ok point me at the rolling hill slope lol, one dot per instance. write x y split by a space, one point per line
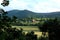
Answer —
26 13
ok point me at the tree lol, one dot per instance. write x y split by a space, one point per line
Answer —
31 36
6 30
5 3
51 26
14 19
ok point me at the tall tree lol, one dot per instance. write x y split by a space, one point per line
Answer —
52 27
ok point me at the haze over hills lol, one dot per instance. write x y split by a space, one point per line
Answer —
27 13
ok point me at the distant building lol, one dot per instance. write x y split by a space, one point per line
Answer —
33 20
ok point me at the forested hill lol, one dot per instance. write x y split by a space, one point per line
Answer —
27 13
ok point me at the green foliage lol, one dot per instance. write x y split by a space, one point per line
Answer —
52 26
5 3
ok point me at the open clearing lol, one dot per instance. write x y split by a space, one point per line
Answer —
27 29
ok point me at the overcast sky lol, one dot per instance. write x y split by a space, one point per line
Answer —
33 5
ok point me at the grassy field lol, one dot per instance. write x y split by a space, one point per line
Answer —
27 29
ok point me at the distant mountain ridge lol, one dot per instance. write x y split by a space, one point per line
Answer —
27 13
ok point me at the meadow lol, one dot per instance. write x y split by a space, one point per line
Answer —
27 29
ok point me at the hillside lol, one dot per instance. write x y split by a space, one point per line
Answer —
26 13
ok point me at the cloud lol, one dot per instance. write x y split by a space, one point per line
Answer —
34 5
49 6
1 1
18 4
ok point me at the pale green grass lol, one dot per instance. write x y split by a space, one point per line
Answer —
27 29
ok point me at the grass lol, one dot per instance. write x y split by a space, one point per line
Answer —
27 29
39 34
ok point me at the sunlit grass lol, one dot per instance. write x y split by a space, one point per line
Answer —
27 29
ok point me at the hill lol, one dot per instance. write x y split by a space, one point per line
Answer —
27 13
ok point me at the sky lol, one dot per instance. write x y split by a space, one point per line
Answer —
33 5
